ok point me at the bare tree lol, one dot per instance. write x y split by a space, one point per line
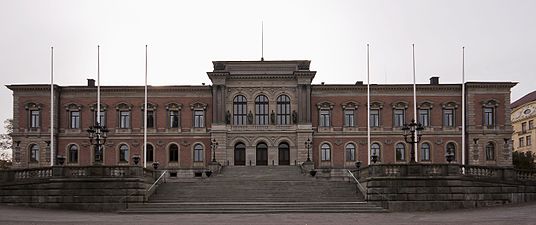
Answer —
6 145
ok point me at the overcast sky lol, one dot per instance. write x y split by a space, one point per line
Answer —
184 37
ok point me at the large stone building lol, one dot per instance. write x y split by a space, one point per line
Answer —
523 116
262 113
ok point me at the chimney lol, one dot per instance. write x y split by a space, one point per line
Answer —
359 83
90 82
434 80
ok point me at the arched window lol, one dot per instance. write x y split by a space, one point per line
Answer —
239 110
73 153
283 110
490 151
198 153
325 152
34 153
149 153
425 152
451 149
350 152
261 110
400 151
375 151
123 153
173 153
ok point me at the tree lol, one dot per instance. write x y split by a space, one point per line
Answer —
6 145
524 160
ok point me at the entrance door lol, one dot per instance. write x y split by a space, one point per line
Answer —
284 154
262 154
240 155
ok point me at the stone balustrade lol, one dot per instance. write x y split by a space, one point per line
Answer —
22 175
426 170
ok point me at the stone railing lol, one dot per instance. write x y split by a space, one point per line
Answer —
24 175
426 170
404 170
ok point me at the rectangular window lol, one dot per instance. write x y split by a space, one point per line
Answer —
398 117
524 127
528 140
34 119
75 120
424 117
150 119
489 117
448 117
174 119
374 117
101 119
324 118
531 124
199 118
521 142
349 118
124 119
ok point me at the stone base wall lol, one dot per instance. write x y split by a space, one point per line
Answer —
93 194
441 193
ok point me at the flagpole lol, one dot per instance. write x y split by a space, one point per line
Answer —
98 119
463 105
145 117
262 41
368 105
414 101
51 106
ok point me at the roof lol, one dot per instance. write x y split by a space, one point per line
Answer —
530 97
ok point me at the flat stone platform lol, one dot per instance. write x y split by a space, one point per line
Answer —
510 214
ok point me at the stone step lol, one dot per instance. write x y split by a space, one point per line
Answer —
255 207
258 189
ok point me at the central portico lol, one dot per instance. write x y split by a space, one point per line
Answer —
262 111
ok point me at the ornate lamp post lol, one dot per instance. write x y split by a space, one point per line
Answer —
308 147
17 151
412 135
97 137
61 159
214 146
136 159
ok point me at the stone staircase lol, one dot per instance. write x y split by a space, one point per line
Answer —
261 189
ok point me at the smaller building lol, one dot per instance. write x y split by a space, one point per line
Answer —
523 119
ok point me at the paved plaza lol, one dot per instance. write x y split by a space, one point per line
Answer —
512 214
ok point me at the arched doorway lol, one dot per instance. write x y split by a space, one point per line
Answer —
262 154
284 154
240 154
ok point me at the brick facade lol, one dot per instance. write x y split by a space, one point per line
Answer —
278 137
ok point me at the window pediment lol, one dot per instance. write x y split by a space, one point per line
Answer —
33 106
150 106
449 105
103 107
400 105
325 105
376 105
73 107
173 106
350 105
426 105
123 106
198 105
490 103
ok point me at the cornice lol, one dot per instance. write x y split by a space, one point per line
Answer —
374 87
